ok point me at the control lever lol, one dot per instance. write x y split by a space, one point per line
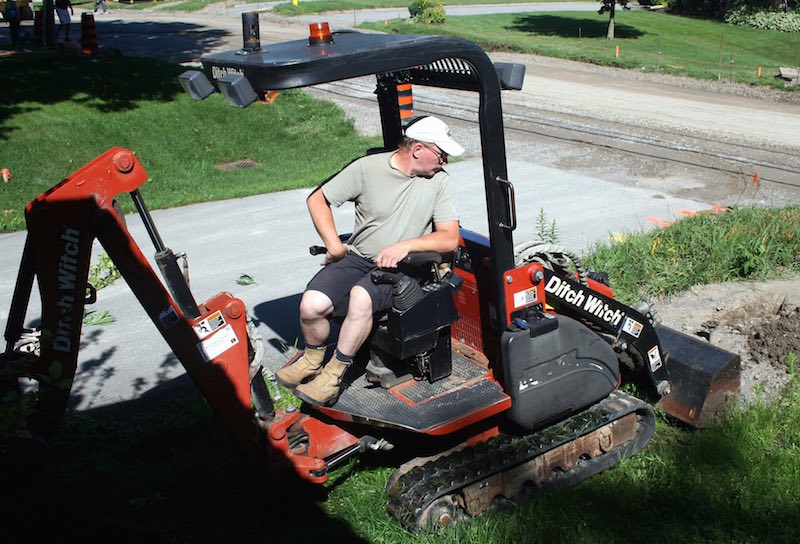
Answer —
406 292
322 250
382 276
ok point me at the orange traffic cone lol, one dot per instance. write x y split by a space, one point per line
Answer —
405 100
88 35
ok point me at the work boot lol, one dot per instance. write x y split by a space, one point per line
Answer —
307 366
324 389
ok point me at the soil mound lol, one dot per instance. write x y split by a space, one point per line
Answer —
760 321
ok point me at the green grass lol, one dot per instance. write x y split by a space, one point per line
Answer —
687 46
171 475
61 111
188 5
139 4
752 244
303 7
163 5
319 6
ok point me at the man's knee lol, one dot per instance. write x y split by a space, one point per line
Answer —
360 302
315 305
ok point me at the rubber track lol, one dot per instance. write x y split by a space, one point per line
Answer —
446 475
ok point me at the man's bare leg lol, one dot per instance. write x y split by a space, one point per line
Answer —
315 313
315 310
325 388
358 323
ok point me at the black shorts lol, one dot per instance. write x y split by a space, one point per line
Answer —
337 279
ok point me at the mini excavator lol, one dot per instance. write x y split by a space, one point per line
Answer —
501 365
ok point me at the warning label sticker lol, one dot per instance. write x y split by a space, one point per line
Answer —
523 298
214 346
655 359
632 327
209 324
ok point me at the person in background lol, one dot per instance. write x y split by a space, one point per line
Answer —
64 17
11 14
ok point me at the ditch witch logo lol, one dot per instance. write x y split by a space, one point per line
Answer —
222 71
67 267
588 303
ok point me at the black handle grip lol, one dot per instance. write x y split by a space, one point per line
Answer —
382 276
322 250
419 258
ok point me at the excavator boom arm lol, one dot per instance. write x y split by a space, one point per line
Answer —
209 339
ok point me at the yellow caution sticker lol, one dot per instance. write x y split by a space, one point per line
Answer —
210 324
523 298
632 327
655 358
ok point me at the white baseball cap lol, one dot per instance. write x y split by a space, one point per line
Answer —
431 130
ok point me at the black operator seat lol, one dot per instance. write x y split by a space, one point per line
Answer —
416 330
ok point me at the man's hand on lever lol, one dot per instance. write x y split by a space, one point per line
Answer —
390 256
335 253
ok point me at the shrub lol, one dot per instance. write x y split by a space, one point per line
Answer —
416 7
427 12
709 9
720 9
766 20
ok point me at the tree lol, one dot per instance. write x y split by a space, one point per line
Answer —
609 6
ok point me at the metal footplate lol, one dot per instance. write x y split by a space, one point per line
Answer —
465 481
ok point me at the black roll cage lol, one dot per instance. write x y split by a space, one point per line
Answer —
436 61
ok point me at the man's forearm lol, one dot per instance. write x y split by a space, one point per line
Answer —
438 241
443 240
322 217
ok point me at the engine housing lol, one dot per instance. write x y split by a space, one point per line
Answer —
554 369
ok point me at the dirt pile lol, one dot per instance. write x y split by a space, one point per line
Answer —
760 321
775 337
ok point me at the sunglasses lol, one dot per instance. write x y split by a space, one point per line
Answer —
441 155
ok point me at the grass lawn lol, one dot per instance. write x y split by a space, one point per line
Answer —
759 244
98 103
171 475
138 4
692 47
320 6
303 7
173 5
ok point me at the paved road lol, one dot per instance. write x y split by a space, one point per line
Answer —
269 237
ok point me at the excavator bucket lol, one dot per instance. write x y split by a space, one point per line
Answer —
703 377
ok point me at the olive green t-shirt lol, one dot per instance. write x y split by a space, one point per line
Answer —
389 205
